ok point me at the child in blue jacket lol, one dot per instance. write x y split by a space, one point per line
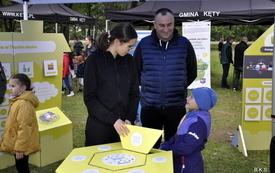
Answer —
80 72
192 132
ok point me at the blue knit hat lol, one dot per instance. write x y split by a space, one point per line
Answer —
206 98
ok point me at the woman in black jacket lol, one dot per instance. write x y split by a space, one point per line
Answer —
111 92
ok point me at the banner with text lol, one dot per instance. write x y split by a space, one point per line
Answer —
199 35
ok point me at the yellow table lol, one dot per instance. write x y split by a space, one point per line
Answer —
133 155
90 160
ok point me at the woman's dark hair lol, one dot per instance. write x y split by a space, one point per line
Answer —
90 38
23 80
71 57
123 31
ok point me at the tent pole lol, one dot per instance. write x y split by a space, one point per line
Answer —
56 28
106 24
25 9
94 32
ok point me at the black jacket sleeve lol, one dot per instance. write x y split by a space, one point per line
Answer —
191 64
229 54
3 83
134 94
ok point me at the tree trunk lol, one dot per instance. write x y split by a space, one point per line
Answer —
65 31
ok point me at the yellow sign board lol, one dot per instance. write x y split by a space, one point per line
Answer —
56 136
28 52
257 92
140 139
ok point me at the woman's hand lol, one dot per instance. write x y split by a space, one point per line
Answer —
120 127
128 122
19 155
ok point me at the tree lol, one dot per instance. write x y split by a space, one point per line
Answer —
238 31
5 24
97 10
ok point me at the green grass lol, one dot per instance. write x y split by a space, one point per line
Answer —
219 156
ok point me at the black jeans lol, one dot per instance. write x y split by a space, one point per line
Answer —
22 165
238 72
167 119
225 68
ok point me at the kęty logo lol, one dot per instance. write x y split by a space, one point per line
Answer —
76 19
196 14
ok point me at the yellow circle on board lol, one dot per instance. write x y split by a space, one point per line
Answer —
253 95
267 113
252 113
3 112
204 54
268 95
3 124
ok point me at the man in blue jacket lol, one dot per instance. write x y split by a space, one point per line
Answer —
166 64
